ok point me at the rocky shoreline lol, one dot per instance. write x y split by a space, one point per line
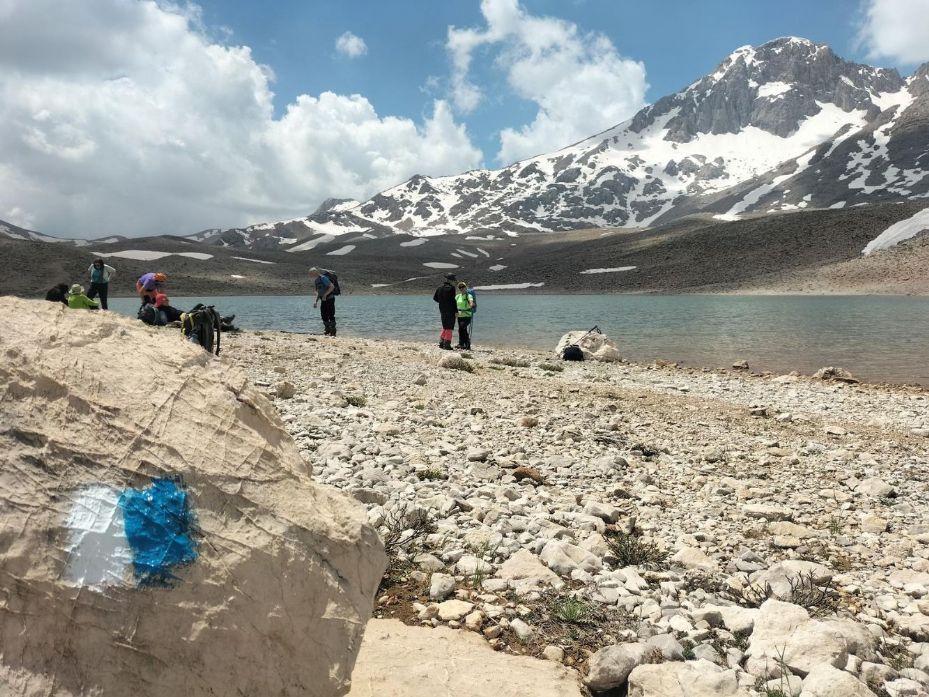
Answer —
648 525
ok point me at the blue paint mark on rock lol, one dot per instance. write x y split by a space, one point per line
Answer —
158 525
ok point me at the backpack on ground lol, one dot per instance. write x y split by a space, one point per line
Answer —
202 325
573 352
150 314
331 275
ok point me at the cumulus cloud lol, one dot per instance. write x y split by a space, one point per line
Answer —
158 129
350 45
896 29
579 81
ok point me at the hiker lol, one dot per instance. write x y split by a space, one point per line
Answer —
465 309
100 276
78 301
148 285
58 294
325 298
445 296
162 304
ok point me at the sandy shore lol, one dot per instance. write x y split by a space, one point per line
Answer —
547 483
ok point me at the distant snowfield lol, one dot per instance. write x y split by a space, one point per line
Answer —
414 243
496 267
898 232
341 251
309 244
148 255
510 286
257 261
440 265
613 270
467 254
235 275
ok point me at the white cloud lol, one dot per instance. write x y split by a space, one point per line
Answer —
350 45
897 29
158 129
580 82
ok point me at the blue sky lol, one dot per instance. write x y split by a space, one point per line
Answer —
139 117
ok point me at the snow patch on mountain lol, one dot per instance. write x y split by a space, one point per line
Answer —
150 255
341 251
898 232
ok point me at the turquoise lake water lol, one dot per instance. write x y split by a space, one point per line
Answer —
877 338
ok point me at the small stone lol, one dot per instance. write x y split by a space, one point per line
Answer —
873 524
523 472
420 380
441 586
522 630
474 620
493 631
285 389
740 365
553 653
826 681
478 455
609 667
454 610
767 512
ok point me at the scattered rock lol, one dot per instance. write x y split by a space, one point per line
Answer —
285 389
609 667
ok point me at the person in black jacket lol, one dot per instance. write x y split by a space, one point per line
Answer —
58 294
445 296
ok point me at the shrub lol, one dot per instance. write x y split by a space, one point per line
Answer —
356 400
510 361
631 550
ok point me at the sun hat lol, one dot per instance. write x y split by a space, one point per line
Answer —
450 277
77 289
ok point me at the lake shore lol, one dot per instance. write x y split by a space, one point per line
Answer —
577 506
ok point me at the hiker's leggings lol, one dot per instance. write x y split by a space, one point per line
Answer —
448 320
327 310
464 335
101 290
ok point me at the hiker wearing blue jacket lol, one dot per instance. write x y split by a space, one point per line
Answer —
325 298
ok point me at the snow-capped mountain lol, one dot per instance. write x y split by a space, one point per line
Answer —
786 125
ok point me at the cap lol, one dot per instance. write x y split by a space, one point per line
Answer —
450 277
77 289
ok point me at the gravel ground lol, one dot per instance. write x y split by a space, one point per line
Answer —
642 523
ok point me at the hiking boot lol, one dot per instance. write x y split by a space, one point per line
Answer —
447 345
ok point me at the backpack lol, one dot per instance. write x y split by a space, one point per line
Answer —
202 326
335 282
473 296
572 352
150 314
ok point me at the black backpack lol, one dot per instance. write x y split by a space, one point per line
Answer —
202 325
331 275
573 352
150 314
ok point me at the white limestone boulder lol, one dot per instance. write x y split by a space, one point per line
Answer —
161 533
